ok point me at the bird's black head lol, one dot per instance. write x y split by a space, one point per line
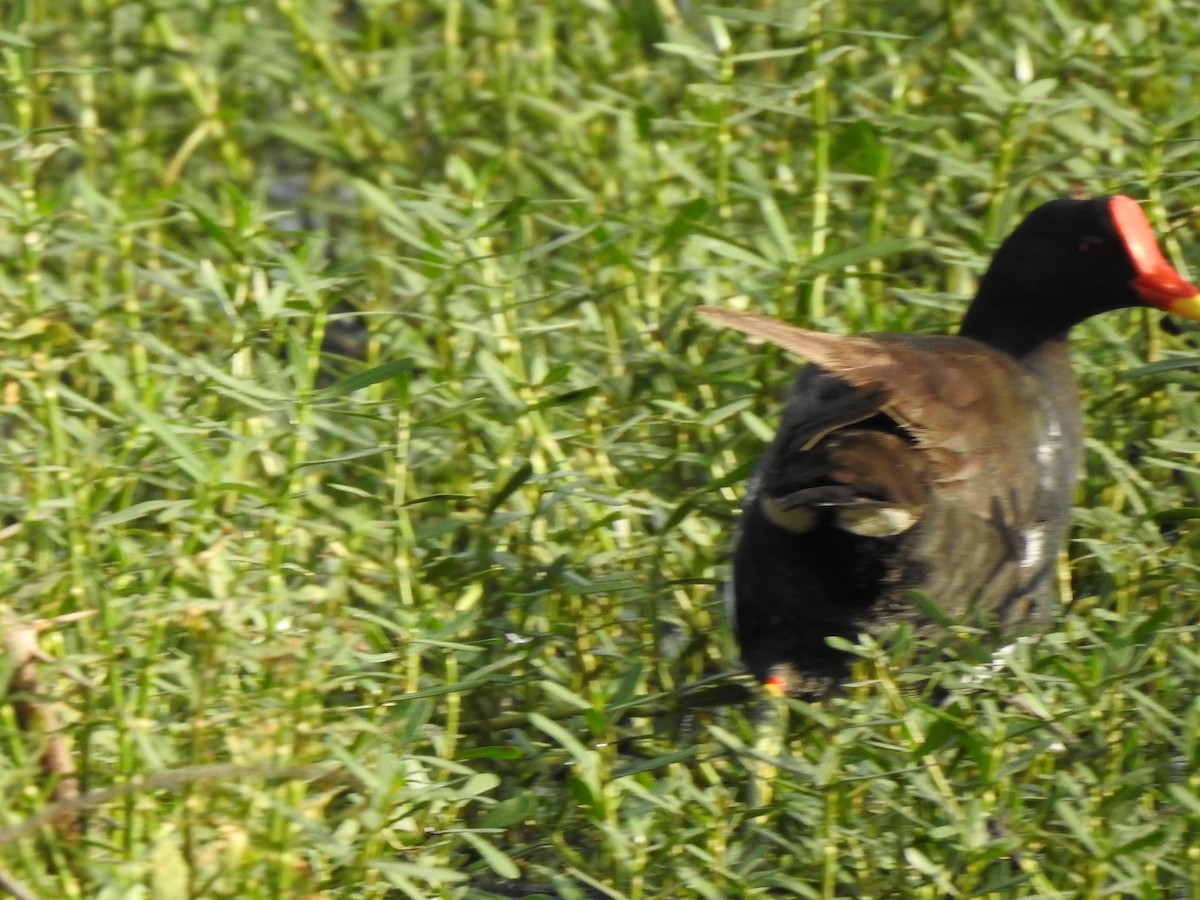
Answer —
1069 260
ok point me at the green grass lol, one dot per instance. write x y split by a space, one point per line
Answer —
348 374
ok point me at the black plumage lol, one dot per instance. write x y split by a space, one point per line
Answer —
944 464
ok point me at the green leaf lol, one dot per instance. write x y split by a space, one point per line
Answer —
497 860
510 486
383 372
509 812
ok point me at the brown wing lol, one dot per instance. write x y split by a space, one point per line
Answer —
975 412
985 449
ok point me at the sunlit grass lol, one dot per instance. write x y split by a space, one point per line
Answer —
349 376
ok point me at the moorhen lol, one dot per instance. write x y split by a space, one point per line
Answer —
944 464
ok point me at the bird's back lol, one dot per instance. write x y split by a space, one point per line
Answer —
901 462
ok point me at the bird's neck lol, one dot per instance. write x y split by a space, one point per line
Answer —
1050 361
1014 317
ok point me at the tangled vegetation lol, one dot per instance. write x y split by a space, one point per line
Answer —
367 485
